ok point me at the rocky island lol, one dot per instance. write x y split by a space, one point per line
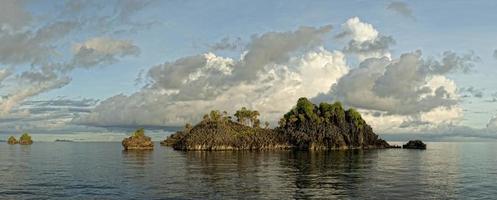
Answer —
25 139
12 140
306 127
138 141
414 144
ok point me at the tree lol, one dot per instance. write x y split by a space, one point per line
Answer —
266 124
25 137
139 133
247 117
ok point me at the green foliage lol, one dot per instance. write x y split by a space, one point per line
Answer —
354 117
25 137
247 117
139 133
12 140
306 107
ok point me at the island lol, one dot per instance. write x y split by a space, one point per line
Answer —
25 139
12 140
414 144
138 141
305 127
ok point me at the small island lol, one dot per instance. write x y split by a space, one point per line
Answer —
25 139
414 144
305 127
138 141
12 140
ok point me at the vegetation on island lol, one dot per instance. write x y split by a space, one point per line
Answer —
306 126
12 140
138 141
25 139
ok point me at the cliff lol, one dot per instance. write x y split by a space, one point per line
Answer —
327 126
305 127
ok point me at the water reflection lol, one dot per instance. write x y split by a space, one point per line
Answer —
103 171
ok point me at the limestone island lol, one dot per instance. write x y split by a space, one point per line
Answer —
305 127
138 141
25 139
12 140
414 144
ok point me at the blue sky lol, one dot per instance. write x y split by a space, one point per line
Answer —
164 31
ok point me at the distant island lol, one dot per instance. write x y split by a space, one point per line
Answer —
305 127
62 140
25 139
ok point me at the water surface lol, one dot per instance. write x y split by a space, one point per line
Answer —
63 170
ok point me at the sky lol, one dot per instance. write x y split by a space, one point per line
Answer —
410 67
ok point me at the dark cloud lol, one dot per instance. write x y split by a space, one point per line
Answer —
227 43
401 8
471 92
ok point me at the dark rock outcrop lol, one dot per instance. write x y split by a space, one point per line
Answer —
414 144
138 141
25 139
328 126
12 140
305 127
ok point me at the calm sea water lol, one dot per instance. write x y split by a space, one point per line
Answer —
47 170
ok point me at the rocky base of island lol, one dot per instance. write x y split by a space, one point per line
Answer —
306 127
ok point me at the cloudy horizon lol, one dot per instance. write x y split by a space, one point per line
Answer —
99 66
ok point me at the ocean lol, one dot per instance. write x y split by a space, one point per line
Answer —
102 170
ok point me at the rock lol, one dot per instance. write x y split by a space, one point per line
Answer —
414 144
138 141
171 139
328 127
25 139
12 140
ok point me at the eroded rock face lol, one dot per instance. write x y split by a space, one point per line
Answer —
12 140
138 141
414 144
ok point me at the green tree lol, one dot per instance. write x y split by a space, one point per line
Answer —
25 137
139 133
248 117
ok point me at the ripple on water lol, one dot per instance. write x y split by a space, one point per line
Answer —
104 171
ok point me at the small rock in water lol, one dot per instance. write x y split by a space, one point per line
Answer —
138 141
414 144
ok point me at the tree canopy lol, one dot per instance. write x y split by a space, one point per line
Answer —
247 117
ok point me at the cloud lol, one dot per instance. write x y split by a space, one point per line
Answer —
492 123
276 69
30 84
101 51
227 43
13 15
44 114
407 91
29 47
471 92
401 8
365 40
